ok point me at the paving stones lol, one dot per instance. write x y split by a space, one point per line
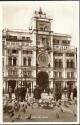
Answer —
22 111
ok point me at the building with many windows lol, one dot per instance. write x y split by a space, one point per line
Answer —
39 56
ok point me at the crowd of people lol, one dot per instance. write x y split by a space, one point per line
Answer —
21 93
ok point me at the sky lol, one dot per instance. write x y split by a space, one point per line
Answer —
65 14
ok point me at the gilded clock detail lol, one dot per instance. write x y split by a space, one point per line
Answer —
43 59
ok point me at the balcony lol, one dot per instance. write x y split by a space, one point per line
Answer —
15 39
58 79
71 79
58 68
70 68
13 76
12 66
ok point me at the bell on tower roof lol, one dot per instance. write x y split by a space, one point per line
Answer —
40 11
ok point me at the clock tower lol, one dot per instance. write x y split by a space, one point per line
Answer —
44 55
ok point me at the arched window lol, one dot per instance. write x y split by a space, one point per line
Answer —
29 61
24 61
46 28
67 63
56 63
72 64
10 61
60 63
14 61
43 40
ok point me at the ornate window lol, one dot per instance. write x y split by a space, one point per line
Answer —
43 40
27 74
27 51
24 61
72 64
29 61
60 74
68 64
12 72
14 51
68 75
14 61
55 41
56 63
45 28
10 61
55 74
60 63
70 54
72 75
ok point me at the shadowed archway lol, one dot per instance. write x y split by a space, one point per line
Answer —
43 80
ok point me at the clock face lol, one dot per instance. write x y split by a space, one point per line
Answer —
43 59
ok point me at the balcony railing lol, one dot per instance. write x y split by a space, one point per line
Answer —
13 76
20 39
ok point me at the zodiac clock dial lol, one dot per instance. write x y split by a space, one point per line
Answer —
43 59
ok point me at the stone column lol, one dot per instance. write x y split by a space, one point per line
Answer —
6 89
4 85
12 61
51 84
64 84
75 61
31 87
27 61
34 83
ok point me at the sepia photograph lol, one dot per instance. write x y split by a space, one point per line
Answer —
40 62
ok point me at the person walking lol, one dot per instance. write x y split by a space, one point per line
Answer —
39 93
69 94
36 93
10 92
16 93
29 91
22 93
74 93
19 93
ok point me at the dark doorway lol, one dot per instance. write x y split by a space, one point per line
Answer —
12 83
43 80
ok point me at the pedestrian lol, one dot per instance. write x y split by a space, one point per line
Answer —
29 91
58 95
36 93
16 93
10 92
75 107
25 91
22 93
39 93
74 93
58 109
69 94
19 92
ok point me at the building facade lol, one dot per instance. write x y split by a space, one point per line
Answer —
38 56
